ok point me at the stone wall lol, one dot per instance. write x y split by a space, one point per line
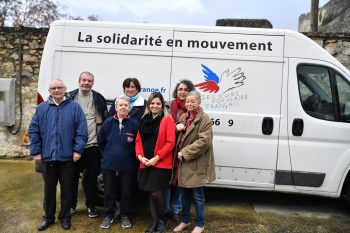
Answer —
33 42
333 17
337 44
250 23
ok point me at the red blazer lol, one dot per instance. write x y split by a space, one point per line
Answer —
164 145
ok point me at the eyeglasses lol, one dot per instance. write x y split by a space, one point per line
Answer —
56 88
183 89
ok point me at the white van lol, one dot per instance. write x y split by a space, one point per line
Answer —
279 103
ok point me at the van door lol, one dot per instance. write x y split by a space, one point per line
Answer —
244 105
318 125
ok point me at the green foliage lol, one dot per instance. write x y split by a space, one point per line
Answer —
320 17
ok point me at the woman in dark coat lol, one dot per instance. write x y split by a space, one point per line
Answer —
155 142
117 140
131 89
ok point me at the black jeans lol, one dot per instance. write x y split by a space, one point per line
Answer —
89 164
52 173
121 183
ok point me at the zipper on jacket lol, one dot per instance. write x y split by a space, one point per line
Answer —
120 126
57 135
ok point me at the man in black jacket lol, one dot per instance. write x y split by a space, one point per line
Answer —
95 109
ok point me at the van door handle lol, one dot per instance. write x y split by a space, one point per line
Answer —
267 125
298 127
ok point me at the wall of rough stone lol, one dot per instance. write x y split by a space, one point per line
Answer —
32 45
337 44
333 17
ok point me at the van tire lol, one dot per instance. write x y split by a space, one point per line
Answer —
347 197
100 191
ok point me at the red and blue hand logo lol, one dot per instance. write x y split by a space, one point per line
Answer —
211 81
228 80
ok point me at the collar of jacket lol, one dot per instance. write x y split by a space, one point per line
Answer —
115 117
50 99
198 117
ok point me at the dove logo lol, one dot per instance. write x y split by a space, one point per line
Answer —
227 81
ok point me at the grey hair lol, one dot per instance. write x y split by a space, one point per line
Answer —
123 97
57 79
86 73
196 94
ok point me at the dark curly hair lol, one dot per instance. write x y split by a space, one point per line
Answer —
187 83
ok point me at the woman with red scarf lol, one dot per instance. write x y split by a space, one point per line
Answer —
176 107
193 164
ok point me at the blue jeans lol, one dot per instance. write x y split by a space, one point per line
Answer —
199 199
172 199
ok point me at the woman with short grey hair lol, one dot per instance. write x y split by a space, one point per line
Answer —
194 149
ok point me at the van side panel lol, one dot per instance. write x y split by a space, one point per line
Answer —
112 54
110 70
244 156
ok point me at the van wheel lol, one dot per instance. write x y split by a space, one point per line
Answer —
100 191
347 197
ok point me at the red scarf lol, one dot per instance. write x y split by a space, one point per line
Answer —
176 106
189 120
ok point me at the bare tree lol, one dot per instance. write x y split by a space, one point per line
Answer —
89 18
93 18
29 13
34 13
314 15
7 8
75 18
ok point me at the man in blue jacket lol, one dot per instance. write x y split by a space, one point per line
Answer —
58 135
95 109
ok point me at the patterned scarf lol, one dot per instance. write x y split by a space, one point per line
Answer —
177 109
189 120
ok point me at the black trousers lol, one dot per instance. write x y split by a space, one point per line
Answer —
52 173
117 183
89 164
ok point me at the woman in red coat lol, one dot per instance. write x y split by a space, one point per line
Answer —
155 142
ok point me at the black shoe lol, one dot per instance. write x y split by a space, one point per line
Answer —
71 211
152 227
160 227
65 224
92 212
45 224
169 214
176 217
